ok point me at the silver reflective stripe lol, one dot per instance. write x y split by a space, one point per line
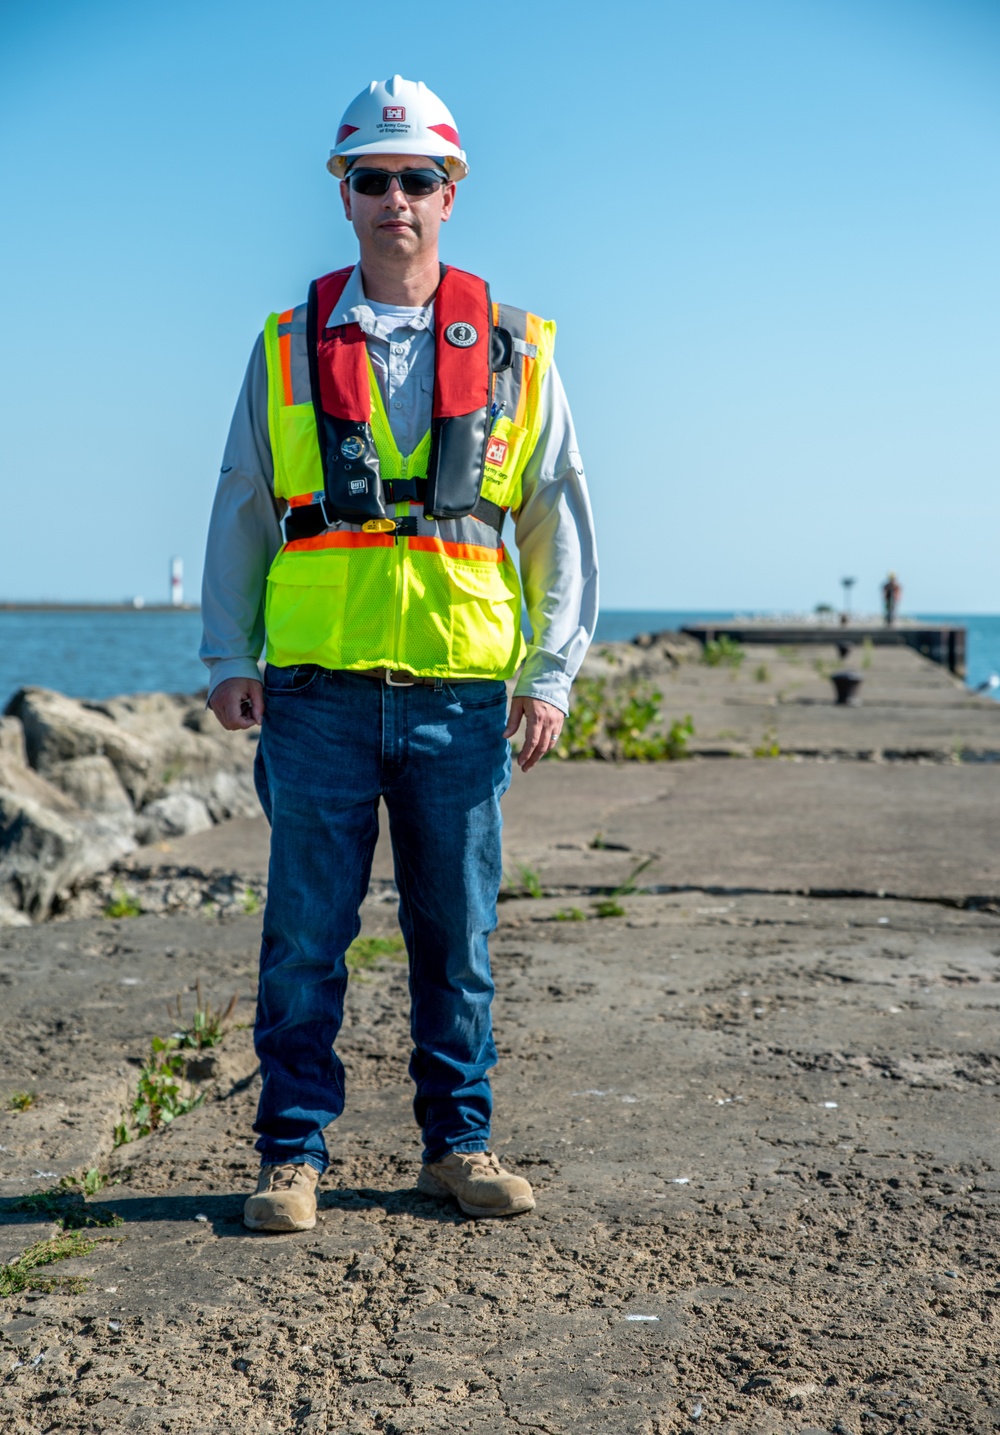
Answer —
530 351
456 530
298 356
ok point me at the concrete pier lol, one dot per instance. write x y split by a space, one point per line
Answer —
941 642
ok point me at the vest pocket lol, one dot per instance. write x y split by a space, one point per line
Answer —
503 453
484 613
304 609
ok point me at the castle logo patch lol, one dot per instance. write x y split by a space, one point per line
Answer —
496 452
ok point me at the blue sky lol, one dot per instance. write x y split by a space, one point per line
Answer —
768 231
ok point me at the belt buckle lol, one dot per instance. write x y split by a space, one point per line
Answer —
391 683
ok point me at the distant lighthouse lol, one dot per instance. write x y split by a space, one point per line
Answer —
177 582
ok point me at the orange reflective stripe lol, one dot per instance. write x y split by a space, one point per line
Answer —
532 334
471 552
300 500
285 350
339 540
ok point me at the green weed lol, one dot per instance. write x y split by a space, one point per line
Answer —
65 1205
619 722
768 745
20 1100
207 1027
867 652
570 914
722 652
17 1275
608 907
122 904
529 881
365 952
250 903
161 1097
762 673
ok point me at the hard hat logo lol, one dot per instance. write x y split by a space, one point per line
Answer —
398 116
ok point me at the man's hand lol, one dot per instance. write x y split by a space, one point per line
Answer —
543 724
238 702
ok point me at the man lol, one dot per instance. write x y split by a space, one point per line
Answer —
385 429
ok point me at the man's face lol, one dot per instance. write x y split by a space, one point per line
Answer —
394 223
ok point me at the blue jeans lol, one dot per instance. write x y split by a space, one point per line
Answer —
331 745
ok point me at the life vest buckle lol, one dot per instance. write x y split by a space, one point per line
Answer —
379 525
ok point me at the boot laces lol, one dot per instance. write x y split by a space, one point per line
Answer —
283 1178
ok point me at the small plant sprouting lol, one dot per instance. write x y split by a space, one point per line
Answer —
161 1088
250 903
207 1027
608 907
768 745
122 904
722 651
20 1100
867 652
18 1275
762 673
570 914
364 952
529 880
121 1138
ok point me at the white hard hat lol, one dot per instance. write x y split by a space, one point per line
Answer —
398 116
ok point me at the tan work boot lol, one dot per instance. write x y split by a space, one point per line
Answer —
285 1199
479 1184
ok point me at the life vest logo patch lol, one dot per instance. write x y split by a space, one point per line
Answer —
496 452
358 485
462 335
352 446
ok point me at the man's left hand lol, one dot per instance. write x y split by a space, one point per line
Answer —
542 726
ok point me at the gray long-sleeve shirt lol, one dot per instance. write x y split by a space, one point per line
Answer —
553 527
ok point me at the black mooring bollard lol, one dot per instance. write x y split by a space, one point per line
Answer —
847 686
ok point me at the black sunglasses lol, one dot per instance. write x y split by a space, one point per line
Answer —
417 183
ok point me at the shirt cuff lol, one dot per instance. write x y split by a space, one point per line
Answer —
550 685
219 669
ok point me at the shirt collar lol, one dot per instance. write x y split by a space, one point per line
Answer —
353 308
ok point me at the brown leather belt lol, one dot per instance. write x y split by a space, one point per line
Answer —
398 678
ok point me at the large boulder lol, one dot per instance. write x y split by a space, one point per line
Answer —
12 748
44 854
93 784
175 815
58 729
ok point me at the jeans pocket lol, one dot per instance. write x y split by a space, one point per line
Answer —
477 693
280 681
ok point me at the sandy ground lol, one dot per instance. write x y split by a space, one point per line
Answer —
759 1111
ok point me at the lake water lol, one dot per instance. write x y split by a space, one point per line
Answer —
98 654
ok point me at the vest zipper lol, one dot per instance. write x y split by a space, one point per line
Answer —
397 604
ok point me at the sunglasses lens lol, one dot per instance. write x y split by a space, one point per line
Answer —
419 181
370 181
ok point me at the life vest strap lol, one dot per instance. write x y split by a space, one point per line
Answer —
309 520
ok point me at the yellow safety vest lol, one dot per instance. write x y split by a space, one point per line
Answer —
443 602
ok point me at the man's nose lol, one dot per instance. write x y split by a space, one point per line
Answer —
395 195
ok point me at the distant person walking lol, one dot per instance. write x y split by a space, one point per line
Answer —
386 428
891 594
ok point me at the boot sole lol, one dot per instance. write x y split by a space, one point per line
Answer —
277 1224
429 1185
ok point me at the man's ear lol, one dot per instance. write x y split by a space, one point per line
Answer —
345 194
